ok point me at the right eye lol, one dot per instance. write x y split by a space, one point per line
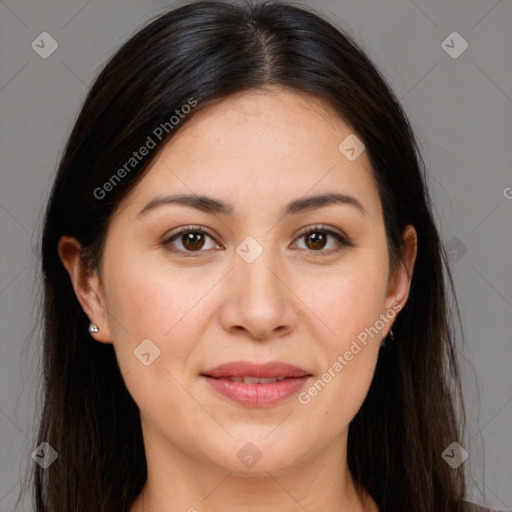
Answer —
191 239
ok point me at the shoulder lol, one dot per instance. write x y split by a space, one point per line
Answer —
473 507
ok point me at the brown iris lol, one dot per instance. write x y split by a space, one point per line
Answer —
193 240
318 240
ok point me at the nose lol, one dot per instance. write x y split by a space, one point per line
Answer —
259 301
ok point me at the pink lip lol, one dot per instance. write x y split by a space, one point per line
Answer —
248 369
256 395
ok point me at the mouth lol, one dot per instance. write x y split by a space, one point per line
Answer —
256 385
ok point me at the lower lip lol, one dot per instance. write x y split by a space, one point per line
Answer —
257 395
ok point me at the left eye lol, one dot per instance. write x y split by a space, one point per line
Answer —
316 239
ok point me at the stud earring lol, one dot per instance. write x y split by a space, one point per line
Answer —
391 338
93 328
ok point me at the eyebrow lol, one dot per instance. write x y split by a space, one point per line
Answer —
211 205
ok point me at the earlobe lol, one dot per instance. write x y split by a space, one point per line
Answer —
85 284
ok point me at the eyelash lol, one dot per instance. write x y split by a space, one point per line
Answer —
342 240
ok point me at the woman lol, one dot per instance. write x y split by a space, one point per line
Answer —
246 297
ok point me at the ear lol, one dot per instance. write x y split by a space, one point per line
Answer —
399 282
86 285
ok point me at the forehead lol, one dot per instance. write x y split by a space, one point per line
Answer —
255 148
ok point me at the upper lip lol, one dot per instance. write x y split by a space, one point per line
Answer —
253 369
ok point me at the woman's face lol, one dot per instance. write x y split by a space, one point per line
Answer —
248 284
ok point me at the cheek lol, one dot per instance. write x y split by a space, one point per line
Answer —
156 339
348 361
148 302
351 307
350 299
146 295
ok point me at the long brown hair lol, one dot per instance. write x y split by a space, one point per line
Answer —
208 50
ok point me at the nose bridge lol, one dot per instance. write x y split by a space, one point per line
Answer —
256 271
259 301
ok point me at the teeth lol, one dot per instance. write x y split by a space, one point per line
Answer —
252 380
268 380
256 380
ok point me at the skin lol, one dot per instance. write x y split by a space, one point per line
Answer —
256 151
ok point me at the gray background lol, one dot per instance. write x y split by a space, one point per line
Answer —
460 108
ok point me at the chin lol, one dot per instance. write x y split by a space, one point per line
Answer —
257 455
